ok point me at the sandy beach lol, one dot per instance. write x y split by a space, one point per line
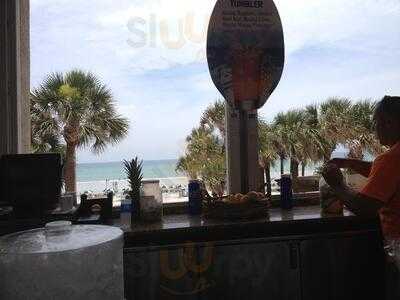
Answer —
174 188
169 186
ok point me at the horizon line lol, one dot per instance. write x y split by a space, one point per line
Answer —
120 161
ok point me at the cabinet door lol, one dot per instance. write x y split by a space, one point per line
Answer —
250 270
343 268
159 274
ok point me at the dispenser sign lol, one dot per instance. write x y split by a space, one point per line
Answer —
245 51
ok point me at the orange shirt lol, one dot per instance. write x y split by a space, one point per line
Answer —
384 185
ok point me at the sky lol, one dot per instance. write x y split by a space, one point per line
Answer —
151 54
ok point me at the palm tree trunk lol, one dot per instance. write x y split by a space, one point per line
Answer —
303 168
268 179
294 168
70 169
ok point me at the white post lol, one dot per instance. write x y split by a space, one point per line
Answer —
233 149
255 181
236 172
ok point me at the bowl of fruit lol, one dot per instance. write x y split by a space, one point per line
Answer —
253 205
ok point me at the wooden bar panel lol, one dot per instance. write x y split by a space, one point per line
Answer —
345 268
162 273
249 270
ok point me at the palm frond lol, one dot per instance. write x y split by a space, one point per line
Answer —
214 117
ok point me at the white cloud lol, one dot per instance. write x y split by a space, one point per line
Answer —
166 37
336 22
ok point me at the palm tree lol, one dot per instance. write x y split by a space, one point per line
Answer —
363 132
214 117
314 145
78 109
45 137
350 125
214 173
311 124
205 158
196 146
205 149
189 166
288 127
282 156
268 152
46 142
336 122
300 139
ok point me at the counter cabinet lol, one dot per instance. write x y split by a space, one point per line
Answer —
337 266
297 254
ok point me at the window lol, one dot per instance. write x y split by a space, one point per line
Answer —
151 55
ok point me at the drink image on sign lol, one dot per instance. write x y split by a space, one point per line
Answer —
245 78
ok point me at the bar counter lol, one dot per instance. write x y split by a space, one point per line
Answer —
297 254
300 221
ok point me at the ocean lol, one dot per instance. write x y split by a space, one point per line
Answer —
115 170
98 177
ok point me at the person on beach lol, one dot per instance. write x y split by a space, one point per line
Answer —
381 195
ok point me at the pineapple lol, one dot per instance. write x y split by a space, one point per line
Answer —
133 170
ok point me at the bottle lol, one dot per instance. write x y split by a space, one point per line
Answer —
330 204
286 192
126 209
151 201
195 197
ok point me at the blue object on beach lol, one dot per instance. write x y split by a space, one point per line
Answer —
286 192
195 198
126 213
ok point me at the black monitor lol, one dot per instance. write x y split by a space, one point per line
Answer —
31 183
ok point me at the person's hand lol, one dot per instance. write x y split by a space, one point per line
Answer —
332 175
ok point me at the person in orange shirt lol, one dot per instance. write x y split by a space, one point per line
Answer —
381 195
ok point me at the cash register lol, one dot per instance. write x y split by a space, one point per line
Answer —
31 184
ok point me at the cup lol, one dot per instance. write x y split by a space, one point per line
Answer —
67 201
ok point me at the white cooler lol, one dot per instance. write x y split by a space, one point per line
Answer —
62 262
